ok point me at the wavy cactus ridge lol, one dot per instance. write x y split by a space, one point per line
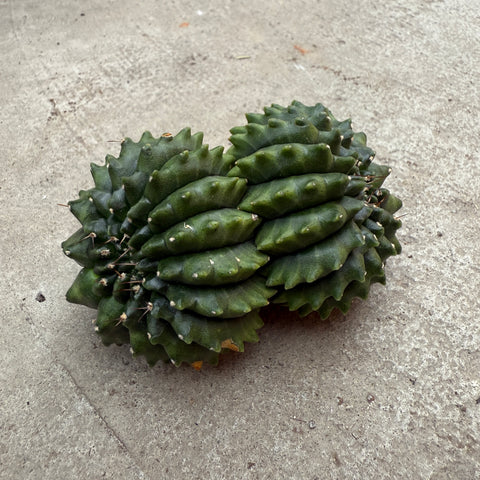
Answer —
332 285
182 245
207 193
227 301
221 266
312 263
299 230
287 195
337 134
211 229
214 335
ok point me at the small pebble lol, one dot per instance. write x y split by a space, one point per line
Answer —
40 297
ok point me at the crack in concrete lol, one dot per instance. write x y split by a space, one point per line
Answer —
79 390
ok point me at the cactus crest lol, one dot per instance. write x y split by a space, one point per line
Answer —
181 245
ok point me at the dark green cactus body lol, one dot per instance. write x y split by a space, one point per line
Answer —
181 246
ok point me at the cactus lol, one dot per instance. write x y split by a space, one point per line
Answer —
329 224
181 245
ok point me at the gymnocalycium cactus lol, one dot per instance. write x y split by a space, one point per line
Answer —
182 245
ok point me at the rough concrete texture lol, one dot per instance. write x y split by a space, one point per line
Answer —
393 388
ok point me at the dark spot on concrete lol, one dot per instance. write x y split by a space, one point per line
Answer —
40 297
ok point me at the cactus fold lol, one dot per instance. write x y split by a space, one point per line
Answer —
181 245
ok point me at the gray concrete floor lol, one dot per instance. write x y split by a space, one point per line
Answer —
393 388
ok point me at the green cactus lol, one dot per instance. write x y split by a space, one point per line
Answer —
315 251
181 246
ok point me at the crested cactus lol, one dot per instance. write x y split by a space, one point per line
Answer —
328 223
182 245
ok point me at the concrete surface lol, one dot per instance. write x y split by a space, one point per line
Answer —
393 388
